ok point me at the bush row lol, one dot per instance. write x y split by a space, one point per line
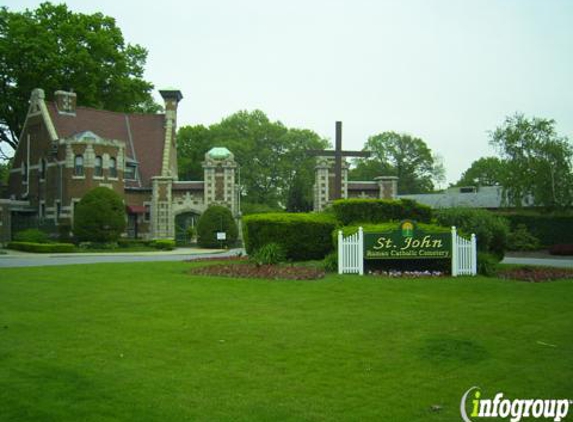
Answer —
349 211
301 236
549 229
41 247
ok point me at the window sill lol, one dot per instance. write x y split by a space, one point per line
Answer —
115 179
78 177
98 178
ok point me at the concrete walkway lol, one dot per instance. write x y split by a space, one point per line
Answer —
26 259
548 262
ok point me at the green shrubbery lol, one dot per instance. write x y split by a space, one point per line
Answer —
163 244
491 230
31 236
550 229
41 247
269 254
349 211
519 239
302 236
99 216
216 219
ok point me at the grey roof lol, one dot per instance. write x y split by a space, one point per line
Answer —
482 197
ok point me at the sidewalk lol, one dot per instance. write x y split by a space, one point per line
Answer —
8 253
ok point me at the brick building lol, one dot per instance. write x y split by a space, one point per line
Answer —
65 150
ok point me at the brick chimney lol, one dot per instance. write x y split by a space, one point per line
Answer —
171 96
65 102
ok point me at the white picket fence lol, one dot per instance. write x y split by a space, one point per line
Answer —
351 254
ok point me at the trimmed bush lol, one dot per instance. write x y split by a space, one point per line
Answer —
550 229
41 247
164 244
31 236
269 254
330 262
349 211
99 216
216 219
490 229
487 264
519 239
302 236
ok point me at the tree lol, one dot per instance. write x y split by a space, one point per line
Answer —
99 216
53 48
400 155
486 171
4 172
272 157
536 162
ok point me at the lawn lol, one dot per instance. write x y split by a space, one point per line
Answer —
148 342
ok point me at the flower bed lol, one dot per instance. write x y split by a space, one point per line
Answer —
406 274
535 274
274 272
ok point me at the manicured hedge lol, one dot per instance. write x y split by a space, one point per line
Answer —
349 211
549 229
490 229
216 219
99 216
301 236
41 247
163 244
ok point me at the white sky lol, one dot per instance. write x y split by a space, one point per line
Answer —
447 71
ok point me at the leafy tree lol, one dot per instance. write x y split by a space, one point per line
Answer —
272 157
53 48
536 162
487 171
99 216
4 172
400 155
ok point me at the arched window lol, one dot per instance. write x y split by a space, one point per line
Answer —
112 167
79 165
98 167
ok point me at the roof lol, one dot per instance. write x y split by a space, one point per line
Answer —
485 197
363 186
197 185
143 134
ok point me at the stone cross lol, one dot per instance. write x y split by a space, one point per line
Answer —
338 153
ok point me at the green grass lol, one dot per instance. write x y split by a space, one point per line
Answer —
147 342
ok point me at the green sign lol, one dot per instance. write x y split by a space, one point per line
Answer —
407 242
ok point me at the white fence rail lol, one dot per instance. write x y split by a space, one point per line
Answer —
351 254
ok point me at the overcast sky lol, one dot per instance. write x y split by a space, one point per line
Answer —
447 71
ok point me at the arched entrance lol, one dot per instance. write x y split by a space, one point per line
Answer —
183 222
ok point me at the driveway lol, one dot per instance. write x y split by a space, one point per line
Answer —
23 259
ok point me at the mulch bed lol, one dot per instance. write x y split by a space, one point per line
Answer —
273 272
536 274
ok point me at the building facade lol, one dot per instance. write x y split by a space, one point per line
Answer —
66 150
383 187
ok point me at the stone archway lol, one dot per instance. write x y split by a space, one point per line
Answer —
183 221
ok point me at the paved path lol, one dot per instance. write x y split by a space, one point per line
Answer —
550 262
23 259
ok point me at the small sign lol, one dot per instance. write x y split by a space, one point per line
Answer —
221 236
407 242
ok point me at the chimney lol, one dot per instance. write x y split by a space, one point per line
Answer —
171 96
66 102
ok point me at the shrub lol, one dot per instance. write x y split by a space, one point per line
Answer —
41 247
562 249
491 230
130 243
302 236
106 246
330 262
487 264
269 254
99 216
164 244
349 211
253 208
550 229
216 219
31 236
519 239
